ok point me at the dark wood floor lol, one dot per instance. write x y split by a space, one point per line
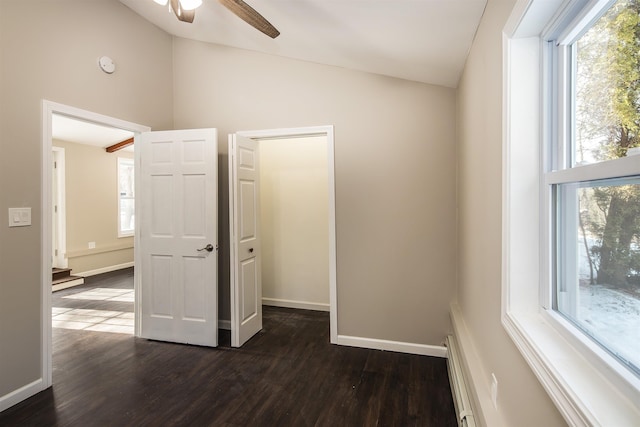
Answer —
287 375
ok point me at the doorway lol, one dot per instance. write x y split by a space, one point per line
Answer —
49 110
294 222
319 138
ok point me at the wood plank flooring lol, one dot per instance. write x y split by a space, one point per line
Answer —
287 375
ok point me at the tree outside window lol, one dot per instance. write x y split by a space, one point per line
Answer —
599 221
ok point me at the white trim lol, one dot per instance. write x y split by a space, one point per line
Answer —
327 131
476 377
585 19
68 284
17 396
304 305
583 396
46 246
397 346
48 109
105 269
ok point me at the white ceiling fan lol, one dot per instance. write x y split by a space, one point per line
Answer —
185 11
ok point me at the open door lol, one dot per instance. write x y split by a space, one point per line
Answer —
245 272
178 223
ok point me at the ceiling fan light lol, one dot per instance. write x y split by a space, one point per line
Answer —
190 4
161 2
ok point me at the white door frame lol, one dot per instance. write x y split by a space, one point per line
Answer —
48 109
326 131
59 200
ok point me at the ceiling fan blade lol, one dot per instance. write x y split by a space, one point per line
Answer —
182 15
251 17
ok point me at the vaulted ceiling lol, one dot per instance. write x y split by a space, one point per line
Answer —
421 40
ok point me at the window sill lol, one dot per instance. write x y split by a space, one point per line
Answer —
584 395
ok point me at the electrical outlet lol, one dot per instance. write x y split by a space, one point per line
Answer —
494 390
92 245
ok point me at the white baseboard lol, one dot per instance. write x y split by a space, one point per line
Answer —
304 305
17 396
400 347
479 389
69 284
224 324
104 269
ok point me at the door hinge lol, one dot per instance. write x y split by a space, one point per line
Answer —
55 209
56 252
55 165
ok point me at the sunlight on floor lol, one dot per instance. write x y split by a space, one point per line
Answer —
104 294
96 320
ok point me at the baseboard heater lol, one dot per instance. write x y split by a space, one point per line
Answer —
459 389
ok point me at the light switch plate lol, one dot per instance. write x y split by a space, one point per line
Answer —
19 217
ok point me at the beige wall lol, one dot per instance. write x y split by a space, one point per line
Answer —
49 50
394 167
91 183
294 219
522 400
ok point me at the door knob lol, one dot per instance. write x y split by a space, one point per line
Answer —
208 248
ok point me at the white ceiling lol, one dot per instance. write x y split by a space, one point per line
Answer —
81 132
421 40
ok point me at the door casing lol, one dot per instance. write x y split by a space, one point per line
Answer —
328 132
50 108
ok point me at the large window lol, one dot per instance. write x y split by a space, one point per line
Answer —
126 201
593 183
571 202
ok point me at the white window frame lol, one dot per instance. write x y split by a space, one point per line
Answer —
123 161
587 385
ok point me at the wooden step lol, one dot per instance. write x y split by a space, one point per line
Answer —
67 282
60 273
62 279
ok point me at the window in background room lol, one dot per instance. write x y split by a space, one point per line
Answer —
126 201
594 186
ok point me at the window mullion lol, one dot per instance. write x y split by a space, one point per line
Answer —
616 168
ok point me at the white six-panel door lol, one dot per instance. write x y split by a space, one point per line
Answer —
245 252
178 236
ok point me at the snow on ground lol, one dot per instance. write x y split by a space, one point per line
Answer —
614 318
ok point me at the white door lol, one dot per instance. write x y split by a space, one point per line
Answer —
58 209
244 199
178 216
54 212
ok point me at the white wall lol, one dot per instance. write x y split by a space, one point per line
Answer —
49 50
394 171
294 221
521 399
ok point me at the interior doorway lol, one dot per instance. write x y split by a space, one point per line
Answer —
50 111
318 169
294 222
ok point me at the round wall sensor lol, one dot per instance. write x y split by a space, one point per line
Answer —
106 64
